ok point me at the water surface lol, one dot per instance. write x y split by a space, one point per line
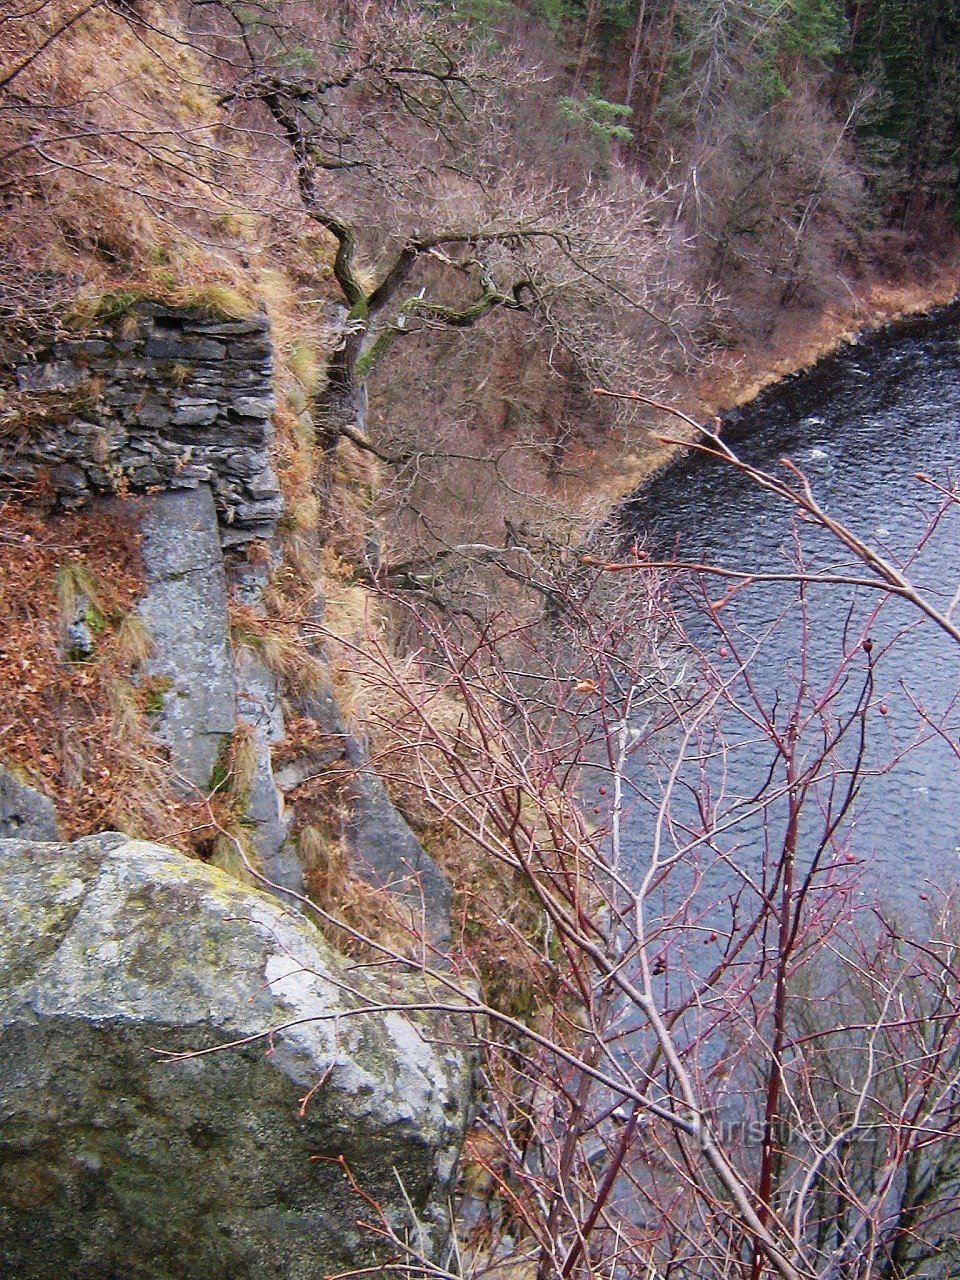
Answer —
862 425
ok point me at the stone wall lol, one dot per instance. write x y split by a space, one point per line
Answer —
158 399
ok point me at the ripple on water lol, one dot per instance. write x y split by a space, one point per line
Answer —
863 425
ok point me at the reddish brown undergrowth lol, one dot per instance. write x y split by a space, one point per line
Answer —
79 730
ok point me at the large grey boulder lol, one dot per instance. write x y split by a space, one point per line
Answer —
116 1163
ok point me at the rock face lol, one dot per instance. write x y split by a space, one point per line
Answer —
387 854
185 609
179 404
24 812
115 1163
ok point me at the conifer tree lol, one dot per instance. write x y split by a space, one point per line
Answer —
911 50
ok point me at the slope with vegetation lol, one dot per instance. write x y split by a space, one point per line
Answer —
457 222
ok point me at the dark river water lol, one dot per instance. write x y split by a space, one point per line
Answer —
861 425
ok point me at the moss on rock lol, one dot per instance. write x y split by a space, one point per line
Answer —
116 1161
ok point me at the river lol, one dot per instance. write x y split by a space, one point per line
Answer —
861 425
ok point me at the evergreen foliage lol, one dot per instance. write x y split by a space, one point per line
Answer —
910 49
690 59
603 121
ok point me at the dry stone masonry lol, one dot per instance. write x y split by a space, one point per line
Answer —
158 398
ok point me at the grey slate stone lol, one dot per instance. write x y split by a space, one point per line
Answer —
183 348
253 406
262 485
53 375
258 706
154 414
229 328
68 479
185 609
77 427
17 472
179 380
25 813
264 509
386 853
141 445
239 535
146 476
244 462
80 347
79 641
195 413
250 350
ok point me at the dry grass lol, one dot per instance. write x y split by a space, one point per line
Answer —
279 645
146 198
362 909
497 927
114 178
119 181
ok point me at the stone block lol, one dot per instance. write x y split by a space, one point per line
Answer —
17 471
25 813
253 406
238 535
387 854
229 328
80 347
262 485
54 375
78 427
250 352
120 398
68 480
146 477
210 380
244 462
267 509
258 706
155 414
140 447
183 348
195 413
227 489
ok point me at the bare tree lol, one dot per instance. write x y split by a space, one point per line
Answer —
397 126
